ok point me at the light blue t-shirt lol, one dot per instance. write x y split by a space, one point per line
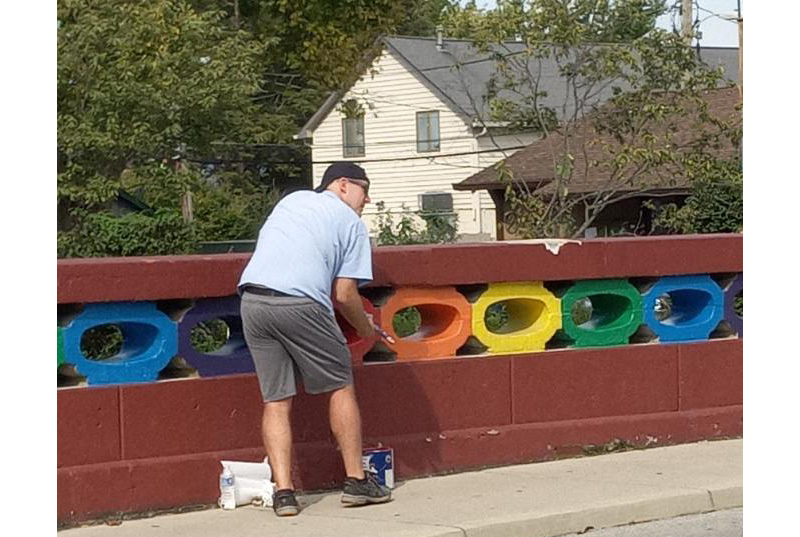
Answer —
309 239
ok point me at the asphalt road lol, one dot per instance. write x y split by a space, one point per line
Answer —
726 523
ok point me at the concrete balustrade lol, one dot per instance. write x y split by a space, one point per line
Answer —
442 411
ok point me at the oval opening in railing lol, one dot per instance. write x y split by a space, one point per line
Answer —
434 319
687 307
211 338
102 342
427 323
683 308
515 317
601 312
149 340
406 322
605 311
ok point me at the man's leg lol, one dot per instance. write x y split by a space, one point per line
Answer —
346 426
277 431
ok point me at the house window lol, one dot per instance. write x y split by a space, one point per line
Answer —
427 131
353 136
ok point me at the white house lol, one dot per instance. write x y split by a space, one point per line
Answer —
410 122
418 121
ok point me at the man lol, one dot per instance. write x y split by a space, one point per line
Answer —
312 243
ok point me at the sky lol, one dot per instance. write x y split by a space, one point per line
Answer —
716 32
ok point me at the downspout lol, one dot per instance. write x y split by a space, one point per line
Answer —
476 164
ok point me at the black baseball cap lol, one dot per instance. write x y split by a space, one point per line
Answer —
345 169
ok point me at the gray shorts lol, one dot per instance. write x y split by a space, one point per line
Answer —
286 335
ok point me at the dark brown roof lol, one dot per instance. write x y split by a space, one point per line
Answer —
535 164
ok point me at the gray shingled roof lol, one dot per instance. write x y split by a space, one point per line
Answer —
465 88
533 164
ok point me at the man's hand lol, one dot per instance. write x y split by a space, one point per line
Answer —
345 291
369 328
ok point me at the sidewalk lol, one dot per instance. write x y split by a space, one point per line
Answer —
531 500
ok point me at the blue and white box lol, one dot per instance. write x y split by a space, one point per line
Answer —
380 463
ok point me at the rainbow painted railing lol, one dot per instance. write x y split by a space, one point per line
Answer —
630 300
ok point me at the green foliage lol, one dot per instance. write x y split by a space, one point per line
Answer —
529 215
630 141
141 80
424 16
225 206
145 87
141 85
496 316
106 341
209 336
323 40
555 21
103 234
468 21
439 228
406 321
715 203
102 342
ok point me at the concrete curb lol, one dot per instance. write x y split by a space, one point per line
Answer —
612 515
534 500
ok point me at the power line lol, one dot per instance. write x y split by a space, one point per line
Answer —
714 14
411 141
356 159
400 159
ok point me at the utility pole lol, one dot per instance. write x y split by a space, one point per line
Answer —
741 54
686 21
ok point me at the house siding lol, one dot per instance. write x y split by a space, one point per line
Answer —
391 96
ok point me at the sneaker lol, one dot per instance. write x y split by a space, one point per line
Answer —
284 503
364 491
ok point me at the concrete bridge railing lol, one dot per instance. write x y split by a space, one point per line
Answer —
500 370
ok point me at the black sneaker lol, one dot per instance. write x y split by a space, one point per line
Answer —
284 503
364 491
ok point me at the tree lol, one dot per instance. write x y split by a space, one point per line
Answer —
141 87
424 16
149 91
616 107
552 20
715 203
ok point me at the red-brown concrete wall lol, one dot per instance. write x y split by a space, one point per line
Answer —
151 446
197 276
139 447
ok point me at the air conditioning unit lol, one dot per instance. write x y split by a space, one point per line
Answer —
435 202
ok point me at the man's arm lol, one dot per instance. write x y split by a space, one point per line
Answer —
345 292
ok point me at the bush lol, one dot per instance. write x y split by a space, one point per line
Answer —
439 227
104 234
406 321
715 204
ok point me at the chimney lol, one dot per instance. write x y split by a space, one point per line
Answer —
439 40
